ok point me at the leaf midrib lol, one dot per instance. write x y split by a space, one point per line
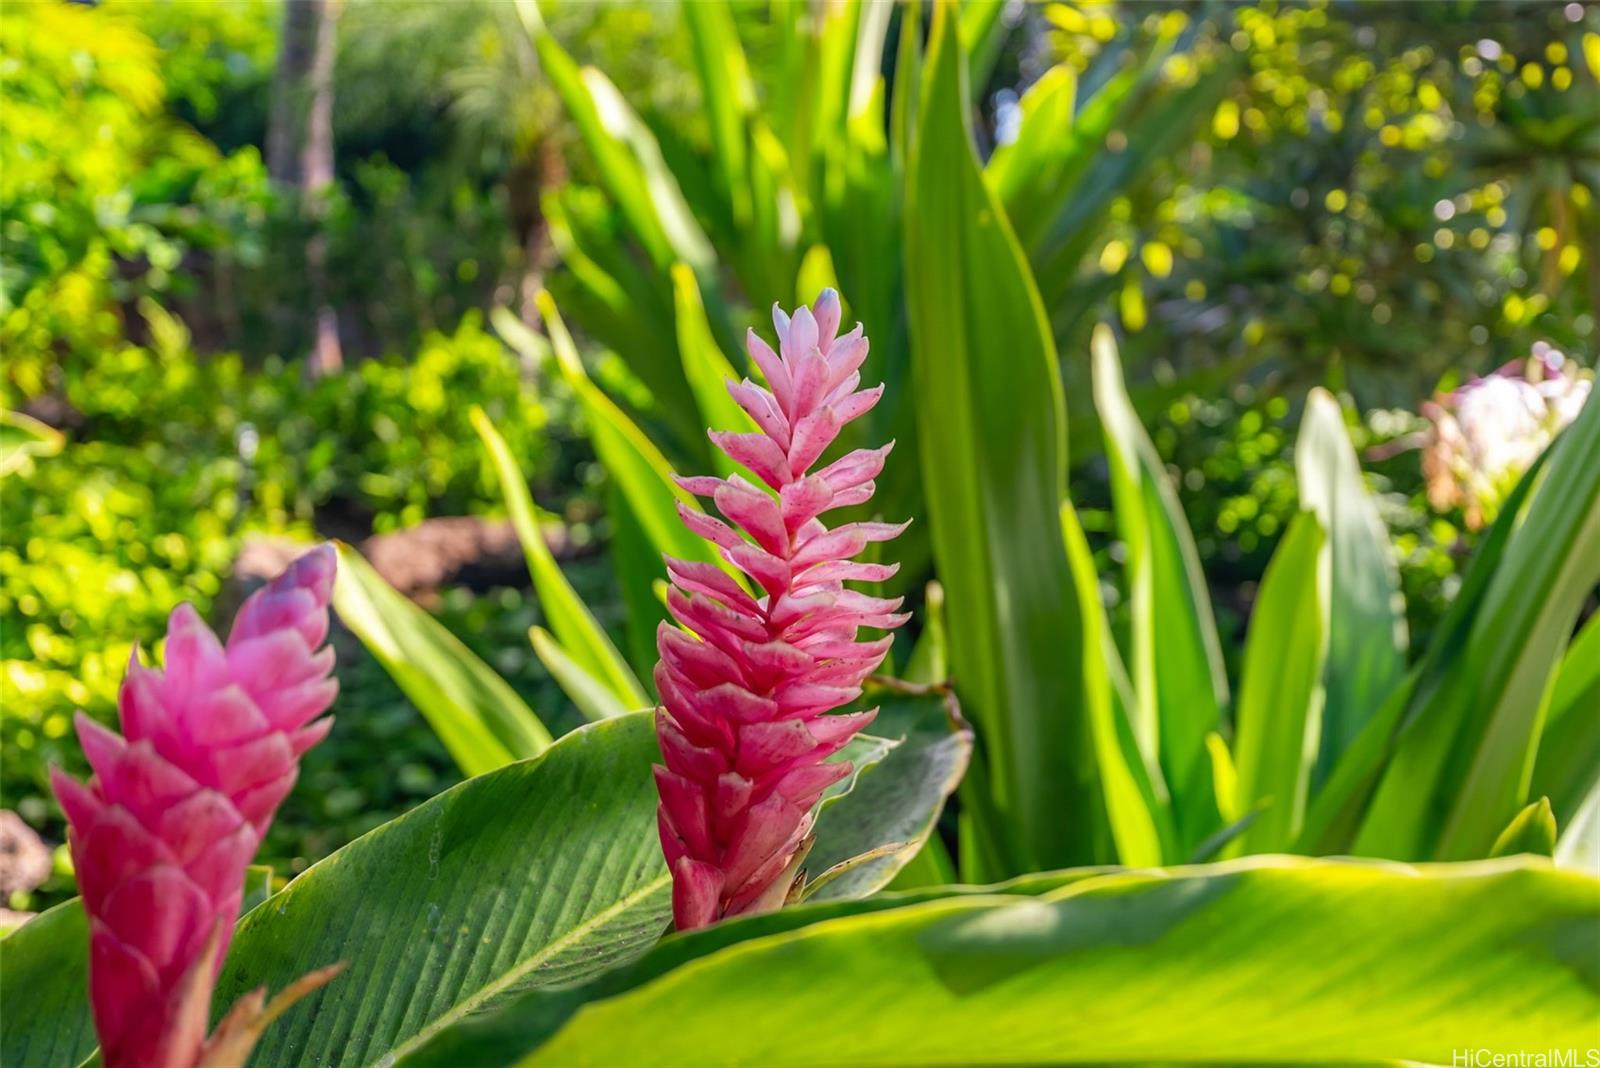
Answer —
466 1006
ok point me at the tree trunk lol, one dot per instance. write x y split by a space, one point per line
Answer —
300 151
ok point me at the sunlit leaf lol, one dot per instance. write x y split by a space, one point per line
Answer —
585 644
476 714
993 463
1278 721
1367 635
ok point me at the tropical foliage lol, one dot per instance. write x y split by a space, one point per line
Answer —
1094 820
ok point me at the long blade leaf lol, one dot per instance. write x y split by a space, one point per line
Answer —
476 714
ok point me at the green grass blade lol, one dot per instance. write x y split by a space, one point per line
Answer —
1278 722
476 714
586 645
993 461
1367 635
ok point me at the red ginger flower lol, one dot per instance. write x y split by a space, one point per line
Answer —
744 729
163 832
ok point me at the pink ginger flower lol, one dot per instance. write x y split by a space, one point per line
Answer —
747 685
163 832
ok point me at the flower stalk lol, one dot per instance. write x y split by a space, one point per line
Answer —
750 680
162 833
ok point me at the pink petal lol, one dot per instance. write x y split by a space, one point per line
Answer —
696 891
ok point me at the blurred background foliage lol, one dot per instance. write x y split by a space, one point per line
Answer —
1384 198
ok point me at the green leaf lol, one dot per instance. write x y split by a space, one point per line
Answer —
1178 676
729 97
639 570
895 804
257 886
993 461
1278 720
1367 629
623 302
585 691
543 872
476 714
983 32
1470 759
642 475
1334 817
1533 831
1301 959
585 644
1568 765
1140 818
24 438
929 663
706 368
627 158
503 1034
44 973
1027 171
1156 119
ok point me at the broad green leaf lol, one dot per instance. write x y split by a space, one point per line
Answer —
584 641
1470 759
501 1035
1533 831
1367 629
476 714
1568 765
1178 676
1140 823
541 872
44 975
892 810
754 202
584 690
706 368
1278 721
1334 818
43 971
993 461
23 438
1301 960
